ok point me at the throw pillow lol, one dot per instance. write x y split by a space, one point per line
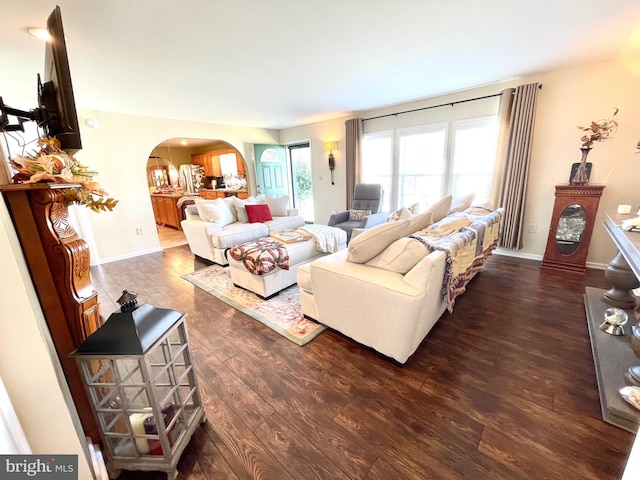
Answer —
278 205
441 208
401 256
228 201
358 215
258 213
241 212
374 240
214 211
461 203
419 222
413 209
399 215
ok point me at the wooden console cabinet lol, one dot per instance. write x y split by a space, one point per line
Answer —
572 221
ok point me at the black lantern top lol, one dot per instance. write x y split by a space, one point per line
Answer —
132 331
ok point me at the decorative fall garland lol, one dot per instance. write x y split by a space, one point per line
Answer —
51 164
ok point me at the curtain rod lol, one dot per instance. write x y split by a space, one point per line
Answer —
434 106
441 105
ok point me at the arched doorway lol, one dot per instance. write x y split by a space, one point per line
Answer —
179 169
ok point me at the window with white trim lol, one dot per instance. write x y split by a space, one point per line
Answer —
421 164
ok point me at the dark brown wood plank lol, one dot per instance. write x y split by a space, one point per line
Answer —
502 388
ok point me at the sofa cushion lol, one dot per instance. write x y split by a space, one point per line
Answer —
461 203
374 240
214 211
258 213
440 208
401 256
237 233
419 222
358 215
278 205
241 212
280 223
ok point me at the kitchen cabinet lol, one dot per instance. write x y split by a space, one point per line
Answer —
210 161
211 194
214 165
166 211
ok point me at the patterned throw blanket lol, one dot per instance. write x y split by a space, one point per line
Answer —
261 256
467 240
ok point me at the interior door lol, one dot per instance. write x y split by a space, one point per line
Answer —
271 169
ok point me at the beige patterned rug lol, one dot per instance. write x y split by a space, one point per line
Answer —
280 313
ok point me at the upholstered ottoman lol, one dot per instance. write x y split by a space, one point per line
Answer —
268 284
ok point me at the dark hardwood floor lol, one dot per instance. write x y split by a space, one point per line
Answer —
503 388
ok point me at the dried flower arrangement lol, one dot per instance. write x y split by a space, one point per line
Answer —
51 164
598 131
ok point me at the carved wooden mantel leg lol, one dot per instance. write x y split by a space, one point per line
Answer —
58 261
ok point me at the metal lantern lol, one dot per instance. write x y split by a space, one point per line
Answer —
138 373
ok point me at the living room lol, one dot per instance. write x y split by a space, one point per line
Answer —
572 95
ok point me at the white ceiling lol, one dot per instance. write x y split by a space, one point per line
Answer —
280 63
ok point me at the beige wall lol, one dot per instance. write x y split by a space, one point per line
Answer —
327 198
569 97
118 150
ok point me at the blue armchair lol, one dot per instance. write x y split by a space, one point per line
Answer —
365 197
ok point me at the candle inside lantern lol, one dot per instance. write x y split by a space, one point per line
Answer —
137 426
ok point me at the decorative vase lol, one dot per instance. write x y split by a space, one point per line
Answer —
581 177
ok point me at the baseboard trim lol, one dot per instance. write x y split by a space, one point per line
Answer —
530 256
130 255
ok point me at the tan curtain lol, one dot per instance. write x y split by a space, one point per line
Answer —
516 160
354 132
504 120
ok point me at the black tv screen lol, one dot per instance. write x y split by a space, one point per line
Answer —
55 95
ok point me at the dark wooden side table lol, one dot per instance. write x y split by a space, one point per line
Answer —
572 221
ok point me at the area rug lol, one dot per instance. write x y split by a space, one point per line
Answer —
280 313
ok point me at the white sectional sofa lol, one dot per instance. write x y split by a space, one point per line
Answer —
213 226
393 283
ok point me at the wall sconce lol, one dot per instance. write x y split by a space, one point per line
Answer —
330 147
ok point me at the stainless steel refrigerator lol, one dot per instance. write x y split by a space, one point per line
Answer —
190 177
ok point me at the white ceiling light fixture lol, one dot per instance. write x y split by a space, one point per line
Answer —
40 33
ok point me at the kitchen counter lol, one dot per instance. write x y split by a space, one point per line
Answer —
225 190
213 193
174 195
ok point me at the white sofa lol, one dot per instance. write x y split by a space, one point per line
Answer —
210 239
386 291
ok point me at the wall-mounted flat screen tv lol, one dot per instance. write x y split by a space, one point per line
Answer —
56 93
56 111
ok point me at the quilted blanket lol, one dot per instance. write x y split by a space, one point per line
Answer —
467 240
261 256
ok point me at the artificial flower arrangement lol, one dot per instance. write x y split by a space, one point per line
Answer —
51 164
598 131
